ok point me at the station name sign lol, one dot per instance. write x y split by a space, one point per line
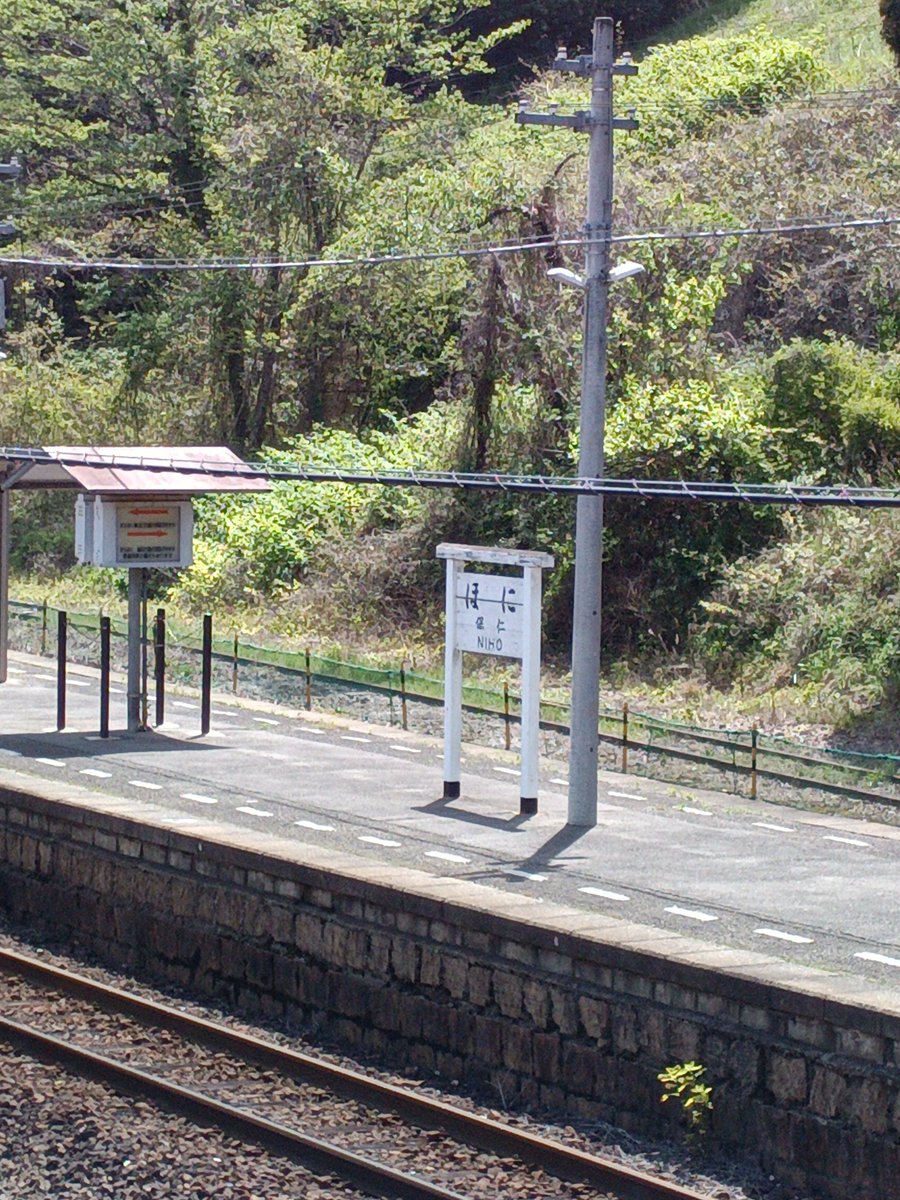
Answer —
141 532
489 611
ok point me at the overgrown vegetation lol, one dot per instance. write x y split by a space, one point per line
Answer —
342 130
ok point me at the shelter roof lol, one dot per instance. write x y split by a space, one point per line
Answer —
143 470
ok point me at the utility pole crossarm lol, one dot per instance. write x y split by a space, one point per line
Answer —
581 121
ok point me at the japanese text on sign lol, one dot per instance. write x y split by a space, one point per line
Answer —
147 532
489 610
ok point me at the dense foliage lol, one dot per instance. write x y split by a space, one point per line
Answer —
292 130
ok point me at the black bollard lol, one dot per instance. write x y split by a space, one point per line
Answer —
105 657
159 665
206 680
61 637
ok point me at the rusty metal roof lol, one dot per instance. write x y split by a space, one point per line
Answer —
145 470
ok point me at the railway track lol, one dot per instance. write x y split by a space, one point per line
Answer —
381 1139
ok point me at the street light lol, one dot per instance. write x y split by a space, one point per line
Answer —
622 270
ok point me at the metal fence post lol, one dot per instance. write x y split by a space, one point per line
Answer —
625 738
206 678
308 681
105 656
61 640
159 665
403 695
234 665
44 627
753 749
507 736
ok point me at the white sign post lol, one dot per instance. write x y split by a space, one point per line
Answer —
493 614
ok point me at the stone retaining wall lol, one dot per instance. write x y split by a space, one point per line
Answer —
549 1006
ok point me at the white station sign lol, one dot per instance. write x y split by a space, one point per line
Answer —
489 613
142 532
493 614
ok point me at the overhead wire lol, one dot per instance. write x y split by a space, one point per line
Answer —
787 228
810 495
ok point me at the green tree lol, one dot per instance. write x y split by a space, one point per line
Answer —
197 127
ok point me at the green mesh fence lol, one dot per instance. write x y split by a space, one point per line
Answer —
738 760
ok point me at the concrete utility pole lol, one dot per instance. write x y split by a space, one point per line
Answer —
599 123
8 171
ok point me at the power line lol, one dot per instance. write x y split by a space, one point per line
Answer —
718 492
789 229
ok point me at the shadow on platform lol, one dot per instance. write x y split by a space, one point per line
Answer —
91 745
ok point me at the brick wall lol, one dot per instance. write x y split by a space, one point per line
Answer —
547 1006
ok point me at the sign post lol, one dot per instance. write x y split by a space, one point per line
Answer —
499 615
144 531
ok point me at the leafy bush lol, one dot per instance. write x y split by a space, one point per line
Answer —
684 88
822 605
835 409
251 544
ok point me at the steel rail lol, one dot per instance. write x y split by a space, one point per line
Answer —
320 1156
481 1132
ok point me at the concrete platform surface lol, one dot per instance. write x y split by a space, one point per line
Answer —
747 875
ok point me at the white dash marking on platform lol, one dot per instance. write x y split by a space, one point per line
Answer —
350 737
697 812
143 783
314 732
693 914
117 691
12 753
315 825
530 875
782 936
774 828
846 841
253 812
184 704
406 749
221 712
560 782
603 893
92 771
199 798
377 841
265 721
51 762
78 683
625 795
886 959
458 858
47 678
507 771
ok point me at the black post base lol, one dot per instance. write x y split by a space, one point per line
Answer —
451 790
528 806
